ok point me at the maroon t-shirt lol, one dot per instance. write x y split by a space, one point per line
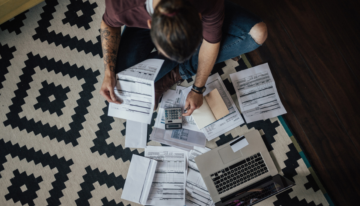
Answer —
133 13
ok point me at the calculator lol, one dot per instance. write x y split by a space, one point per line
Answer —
173 118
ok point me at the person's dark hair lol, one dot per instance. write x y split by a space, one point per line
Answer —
176 28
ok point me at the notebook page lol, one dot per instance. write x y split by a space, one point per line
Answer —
203 116
216 104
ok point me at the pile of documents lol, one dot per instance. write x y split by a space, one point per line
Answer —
169 175
190 135
135 88
255 91
166 176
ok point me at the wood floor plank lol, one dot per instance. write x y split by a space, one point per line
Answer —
325 63
297 71
343 26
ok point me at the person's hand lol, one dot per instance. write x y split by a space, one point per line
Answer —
193 101
107 89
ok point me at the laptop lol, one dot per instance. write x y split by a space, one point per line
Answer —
244 177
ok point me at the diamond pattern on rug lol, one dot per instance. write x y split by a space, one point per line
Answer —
22 193
62 166
44 129
59 147
79 13
43 34
52 98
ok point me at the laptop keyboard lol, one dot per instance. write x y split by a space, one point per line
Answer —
239 173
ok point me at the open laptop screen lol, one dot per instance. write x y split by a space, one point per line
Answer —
257 192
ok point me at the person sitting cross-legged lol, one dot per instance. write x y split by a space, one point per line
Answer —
189 35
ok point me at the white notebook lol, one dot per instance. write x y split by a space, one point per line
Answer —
139 179
212 109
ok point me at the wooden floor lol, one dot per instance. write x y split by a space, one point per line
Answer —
313 50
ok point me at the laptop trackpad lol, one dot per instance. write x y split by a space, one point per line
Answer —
227 154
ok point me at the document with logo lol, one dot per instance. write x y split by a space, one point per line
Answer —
135 89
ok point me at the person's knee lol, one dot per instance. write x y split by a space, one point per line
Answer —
259 32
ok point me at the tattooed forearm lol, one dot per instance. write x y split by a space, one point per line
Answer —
110 39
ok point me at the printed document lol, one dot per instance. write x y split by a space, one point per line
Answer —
257 94
168 186
136 134
227 123
197 193
183 138
139 179
135 88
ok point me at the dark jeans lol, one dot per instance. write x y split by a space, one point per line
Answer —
136 44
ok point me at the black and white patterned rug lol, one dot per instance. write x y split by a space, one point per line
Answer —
58 146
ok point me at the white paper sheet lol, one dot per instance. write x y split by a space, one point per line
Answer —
257 94
197 198
136 134
138 181
183 138
174 98
227 123
197 193
168 186
135 88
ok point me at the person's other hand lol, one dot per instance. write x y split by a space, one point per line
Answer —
107 89
193 101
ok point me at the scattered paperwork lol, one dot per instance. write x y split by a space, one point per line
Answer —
225 124
135 88
136 134
257 94
168 186
197 193
139 179
182 138
212 109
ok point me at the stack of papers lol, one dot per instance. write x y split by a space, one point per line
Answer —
139 179
225 124
191 134
162 178
135 88
257 94
197 193
168 185
184 138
